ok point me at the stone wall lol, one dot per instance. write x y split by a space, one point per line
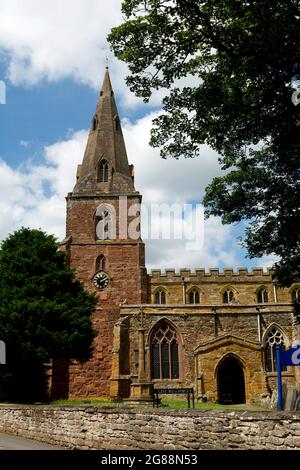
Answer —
204 339
92 428
212 283
125 265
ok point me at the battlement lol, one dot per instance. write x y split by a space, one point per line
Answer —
190 275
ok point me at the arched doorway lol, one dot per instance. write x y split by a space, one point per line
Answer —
231 381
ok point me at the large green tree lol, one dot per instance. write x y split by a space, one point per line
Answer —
244 61
44 312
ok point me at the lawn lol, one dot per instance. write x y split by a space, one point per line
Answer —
174 403
166 402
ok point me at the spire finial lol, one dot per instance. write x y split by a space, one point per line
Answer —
107 67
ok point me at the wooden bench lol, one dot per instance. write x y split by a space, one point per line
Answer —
173 391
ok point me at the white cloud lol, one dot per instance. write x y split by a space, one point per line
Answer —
178 181
35 195
219 249
54 39
62 159
167 180
58 39
267 261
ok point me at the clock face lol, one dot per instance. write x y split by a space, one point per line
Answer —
101 280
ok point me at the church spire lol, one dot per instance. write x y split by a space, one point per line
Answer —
105 168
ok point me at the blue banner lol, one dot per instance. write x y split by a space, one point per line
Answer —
291 357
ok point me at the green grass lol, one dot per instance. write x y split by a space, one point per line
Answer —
97 401
166 402
174 403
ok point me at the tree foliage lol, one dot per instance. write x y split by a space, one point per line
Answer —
44 312
243 59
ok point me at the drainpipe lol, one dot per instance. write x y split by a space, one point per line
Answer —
275 293
258 324
214 315
196 375
183 291
142 362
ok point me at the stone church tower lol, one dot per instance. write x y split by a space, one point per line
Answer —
105 258
213 330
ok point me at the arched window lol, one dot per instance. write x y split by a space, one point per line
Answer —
194 296
160 297
100 263
164 352
273 337
228 296
262 296
103 171
296 295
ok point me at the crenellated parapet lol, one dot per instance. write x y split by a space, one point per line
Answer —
212 274
214 286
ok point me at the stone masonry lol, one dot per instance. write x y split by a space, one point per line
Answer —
92 428
214 343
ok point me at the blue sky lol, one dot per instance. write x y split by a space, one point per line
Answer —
45 113
53 70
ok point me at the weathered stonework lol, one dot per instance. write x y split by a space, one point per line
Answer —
92 428
208 332
206 338
124 257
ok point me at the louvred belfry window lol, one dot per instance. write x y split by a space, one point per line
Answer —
165 352
103 171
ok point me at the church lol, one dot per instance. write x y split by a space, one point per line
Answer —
212 330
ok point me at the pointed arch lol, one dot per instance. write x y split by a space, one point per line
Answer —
193 295
230 374
227 355
165 351
100 263
229 295
279 328
273 335
295 291
103 171
160 296
262 295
